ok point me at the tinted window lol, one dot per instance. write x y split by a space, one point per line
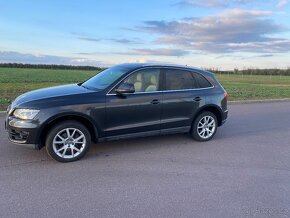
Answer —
105 78
146 80
201 80
179 79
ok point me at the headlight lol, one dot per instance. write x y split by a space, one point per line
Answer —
25 114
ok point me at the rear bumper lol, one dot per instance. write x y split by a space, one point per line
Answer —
224 117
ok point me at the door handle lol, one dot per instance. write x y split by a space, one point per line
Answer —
155 101
197 98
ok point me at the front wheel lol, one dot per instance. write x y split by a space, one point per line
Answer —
68 141
204 126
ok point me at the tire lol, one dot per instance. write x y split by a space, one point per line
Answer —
64 148
204 126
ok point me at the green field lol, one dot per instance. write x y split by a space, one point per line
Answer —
15 81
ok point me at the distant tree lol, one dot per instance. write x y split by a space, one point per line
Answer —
274 71
49 66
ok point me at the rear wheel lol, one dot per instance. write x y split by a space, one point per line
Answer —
68 141
204 126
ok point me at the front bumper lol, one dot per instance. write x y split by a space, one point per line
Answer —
22 132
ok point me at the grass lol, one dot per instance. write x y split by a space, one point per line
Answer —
15 81
252 87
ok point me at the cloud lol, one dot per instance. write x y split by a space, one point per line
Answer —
89 39
86 53
155 52
126 41
117 40
256 57
83 37
265 56
212 3
123 41
16 57
204 3
282 3
233 30
144 60
140 60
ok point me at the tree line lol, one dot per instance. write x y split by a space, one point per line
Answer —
49 66
275 71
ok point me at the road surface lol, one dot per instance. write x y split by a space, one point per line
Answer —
243 172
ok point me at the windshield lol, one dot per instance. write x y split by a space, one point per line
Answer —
105 78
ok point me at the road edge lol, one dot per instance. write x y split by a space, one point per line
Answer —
258 101
235 102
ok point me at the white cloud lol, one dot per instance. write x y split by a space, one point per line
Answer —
16 57
282 3
140 60
232 30
213 3
156 52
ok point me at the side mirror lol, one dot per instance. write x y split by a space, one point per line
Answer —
125 88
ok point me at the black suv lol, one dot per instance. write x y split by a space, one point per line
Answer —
127 100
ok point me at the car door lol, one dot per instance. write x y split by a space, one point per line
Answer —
139 112
181 99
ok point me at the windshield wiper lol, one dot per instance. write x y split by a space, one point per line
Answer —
86 87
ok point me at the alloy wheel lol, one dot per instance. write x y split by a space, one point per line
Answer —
69 143
206 127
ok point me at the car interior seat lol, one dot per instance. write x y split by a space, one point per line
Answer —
138 83
153 84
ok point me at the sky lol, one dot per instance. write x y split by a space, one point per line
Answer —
218 34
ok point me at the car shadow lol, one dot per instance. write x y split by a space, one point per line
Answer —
15 154
144 145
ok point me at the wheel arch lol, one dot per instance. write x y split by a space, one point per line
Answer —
83 119
213 109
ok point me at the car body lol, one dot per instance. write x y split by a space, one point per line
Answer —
127 100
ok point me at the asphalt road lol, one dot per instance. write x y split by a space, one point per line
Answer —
243 172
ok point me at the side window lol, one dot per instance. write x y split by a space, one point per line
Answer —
146 80
179 79
201 80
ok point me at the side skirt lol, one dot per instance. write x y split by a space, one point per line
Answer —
145 134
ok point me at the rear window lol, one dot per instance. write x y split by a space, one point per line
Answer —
179 80
201 80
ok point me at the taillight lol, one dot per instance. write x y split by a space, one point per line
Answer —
226 95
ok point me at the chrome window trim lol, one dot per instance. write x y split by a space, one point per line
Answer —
177 90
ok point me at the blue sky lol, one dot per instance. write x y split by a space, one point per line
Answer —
210 33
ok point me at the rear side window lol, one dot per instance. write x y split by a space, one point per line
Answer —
179 80
201 80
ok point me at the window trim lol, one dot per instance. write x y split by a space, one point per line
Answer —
161 77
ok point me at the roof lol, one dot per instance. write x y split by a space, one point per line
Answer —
134 66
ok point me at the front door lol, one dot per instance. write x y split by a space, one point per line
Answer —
139 112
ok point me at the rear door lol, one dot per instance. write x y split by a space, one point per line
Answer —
181 98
